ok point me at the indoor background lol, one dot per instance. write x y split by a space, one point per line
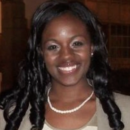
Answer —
15 16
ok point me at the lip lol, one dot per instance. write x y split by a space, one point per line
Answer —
68 69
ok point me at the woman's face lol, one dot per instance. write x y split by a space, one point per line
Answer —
66 49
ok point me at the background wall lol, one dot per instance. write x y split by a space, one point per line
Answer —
0 17
30 7
114 15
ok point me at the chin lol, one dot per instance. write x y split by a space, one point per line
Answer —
69 82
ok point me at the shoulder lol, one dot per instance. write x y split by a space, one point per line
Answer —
123 102
2 120
25 124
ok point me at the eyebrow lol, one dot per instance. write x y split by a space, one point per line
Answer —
50 40
78 35
72 38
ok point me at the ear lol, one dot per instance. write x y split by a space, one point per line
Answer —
42 55
40 51
92 50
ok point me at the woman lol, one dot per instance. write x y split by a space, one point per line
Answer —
63 83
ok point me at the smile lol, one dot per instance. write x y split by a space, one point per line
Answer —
68 69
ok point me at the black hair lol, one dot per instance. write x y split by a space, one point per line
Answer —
34 79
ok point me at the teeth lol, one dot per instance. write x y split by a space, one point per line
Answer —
70 68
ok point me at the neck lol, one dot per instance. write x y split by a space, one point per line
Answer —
70 93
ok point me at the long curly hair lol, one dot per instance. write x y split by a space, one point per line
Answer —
33 78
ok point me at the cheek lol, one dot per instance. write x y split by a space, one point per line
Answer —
85 54
50 60
86 60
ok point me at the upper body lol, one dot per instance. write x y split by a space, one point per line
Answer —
66 49
101 118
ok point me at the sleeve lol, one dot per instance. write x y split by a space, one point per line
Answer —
2 120
123 103
25 124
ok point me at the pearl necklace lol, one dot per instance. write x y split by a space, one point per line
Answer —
71 110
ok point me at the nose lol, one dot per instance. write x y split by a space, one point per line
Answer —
67 54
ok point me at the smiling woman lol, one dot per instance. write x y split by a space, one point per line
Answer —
63 82
66 51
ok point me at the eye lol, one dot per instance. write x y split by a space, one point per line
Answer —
78 43
52 47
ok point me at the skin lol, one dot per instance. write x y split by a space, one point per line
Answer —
66 44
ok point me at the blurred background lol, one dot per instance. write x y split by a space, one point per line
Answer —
15 16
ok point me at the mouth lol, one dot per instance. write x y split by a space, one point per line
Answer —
68 69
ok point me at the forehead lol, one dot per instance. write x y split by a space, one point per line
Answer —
67 22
